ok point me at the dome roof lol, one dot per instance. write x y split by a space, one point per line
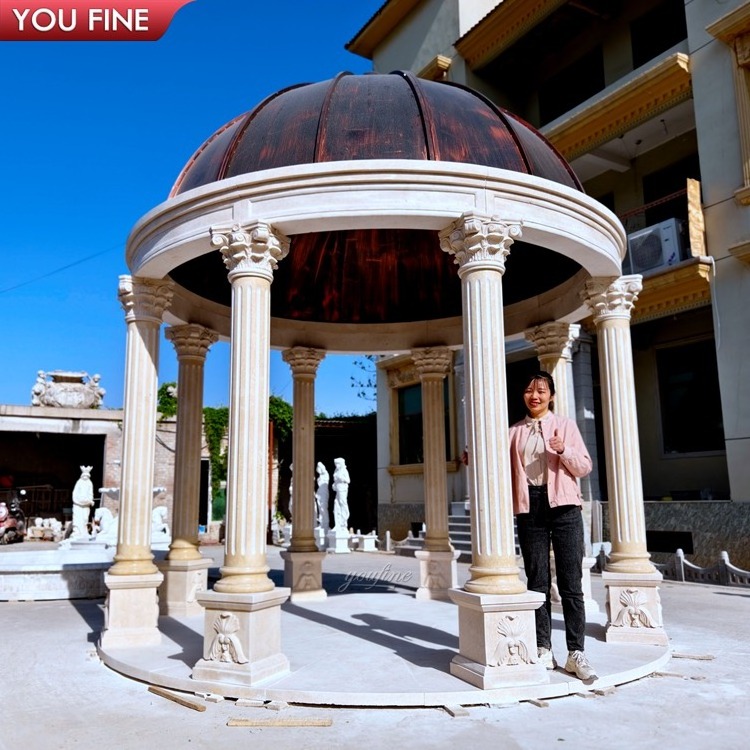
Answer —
374 275
374 116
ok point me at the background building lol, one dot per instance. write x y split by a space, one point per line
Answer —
650 103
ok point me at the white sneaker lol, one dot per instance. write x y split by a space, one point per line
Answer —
578 665
546 658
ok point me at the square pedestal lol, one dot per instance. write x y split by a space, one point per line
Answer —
438 574
338 541
183 581
497 639
131 611
242 638
634 609
303 574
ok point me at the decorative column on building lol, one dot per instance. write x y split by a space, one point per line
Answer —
185 569
438 571
303 562
132 609
497 636
244 607
554 347
632 581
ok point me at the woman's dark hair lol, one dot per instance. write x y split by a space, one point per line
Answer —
547 378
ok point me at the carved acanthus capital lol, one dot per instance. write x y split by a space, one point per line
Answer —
478 237
144 299
742 50
432 362
554 339
191 340
612 298
255 249
303 360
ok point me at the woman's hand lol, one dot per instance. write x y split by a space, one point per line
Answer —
556 443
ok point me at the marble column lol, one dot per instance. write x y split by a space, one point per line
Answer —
303 563
185 569
244 607
633 604
437 561
132 609
497 636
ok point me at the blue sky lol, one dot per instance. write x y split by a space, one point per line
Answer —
93 136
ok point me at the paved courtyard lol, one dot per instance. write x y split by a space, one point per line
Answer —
58 694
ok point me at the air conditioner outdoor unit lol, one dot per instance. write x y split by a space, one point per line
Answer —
654 247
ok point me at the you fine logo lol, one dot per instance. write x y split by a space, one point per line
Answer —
86 20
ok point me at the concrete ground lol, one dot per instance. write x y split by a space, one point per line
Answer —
56 693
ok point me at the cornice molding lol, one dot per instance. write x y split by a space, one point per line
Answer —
501 28
437 69
681 288
732 25
656 90
386 19
741 251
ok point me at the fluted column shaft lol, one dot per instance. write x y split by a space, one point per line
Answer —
191 342
144 302
304 363
251 255
554 346
432 365
611 302
480 244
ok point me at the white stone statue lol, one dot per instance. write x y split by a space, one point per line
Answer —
159 528
322 496
341 483
83 499
72 390
106 526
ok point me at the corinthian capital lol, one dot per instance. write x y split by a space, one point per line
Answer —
478 237
255 249
612 298
432 361
554 339
144 299
191 340
303 360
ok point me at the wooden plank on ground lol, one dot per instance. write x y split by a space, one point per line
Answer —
196 705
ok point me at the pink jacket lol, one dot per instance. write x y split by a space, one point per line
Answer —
562 469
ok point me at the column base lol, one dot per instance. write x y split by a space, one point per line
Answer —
131 616
497 640
338 541
242 638
438 573
183 581
634 608
303 574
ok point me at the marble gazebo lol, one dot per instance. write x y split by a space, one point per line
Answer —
392 214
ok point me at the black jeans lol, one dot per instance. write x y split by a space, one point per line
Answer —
563 526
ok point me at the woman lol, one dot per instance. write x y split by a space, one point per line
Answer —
547 455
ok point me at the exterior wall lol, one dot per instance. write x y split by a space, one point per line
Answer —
727 225
428 31
715 527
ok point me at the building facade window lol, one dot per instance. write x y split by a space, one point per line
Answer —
691 416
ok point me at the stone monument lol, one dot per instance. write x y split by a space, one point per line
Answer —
83 500
70 390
